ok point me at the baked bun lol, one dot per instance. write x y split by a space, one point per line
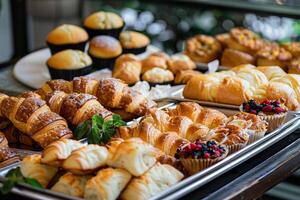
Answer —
134 42
155 60
294 66
158 76
182 77
232 58
67 36
202 48
103 23
68 64
107 184
293 48
244 40
271 72
180 62
223 39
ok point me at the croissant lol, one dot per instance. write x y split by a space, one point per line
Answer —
33 117
107 184
7 157
158 178
55 85
3 141
76 107
3 122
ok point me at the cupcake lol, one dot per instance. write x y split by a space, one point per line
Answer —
68 64
65 37
199 155
103 23
157 75
271 111
134 42
104 50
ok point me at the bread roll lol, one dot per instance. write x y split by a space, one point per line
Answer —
180 62
232 58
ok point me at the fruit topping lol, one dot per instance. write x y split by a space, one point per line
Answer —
267 107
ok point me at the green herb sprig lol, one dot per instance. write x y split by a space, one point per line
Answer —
14 177
97 130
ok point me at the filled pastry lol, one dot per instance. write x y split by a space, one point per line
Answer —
233 57
180 62
107 184
182 77
158 76
155 60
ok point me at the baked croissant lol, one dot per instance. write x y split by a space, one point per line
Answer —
7 157
3 122
76 107
55 85
157 179
3 141
107 184
33 117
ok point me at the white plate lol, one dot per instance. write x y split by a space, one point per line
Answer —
31 70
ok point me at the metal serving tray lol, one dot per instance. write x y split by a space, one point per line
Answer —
191 183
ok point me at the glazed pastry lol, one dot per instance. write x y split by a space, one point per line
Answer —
243 67
157 179
7 157
180 62
3 141
107 184
84 84
158 76
134 42
67 36
253 76
86 159
68 64
293 48
103 23
232 58
3 122
127 68
55 153
134 155
244 40
182 77
33 117
71 184
104 50
202 48
31 167
223 39
294 66
55 85
76 107
271 72
155 60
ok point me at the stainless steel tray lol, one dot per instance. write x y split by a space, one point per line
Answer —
193 182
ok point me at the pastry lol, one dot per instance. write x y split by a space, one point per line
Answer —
223 39
7 157
56 85
294 66
271 72
232 58
158 76
155 60
67 36
68 64
253 76
103 23
84 85
202 48
134 42
56 152
31 167
157 179
104 50
86 159
134 155
180 62
293 48
3 141
107 184
182 77
242 67
127 68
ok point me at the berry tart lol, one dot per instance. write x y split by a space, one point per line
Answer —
199 155
272 111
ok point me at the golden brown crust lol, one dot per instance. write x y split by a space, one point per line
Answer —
105 47
182 77
232 58
3 140
202 48
7 157
223 39
133 39
28 107
294 67
103 21
180 62
155 60
158 75
293 48
85 84
55 85
271 72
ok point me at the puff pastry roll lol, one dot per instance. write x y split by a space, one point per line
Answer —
86 159
134 155
55 153
31 167
85 85
271 72
157 179
71 184
107 184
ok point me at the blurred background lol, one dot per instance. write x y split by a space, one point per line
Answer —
24 25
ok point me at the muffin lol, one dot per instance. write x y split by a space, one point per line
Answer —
294 66
182 77
180 62
158 59
232 58
65 37
134 42
103 23
158 76
68 64
202 48
199 155
244 40
273 112
104 50
293 48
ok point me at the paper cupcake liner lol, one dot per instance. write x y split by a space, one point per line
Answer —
69 74
256 136
274 121
235 147
101 63
114 32
135 50
57 48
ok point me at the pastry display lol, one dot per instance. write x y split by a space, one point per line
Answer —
67 36
68 64
183 76
155 60
180 62
233 57
158 75
103 23
134 42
